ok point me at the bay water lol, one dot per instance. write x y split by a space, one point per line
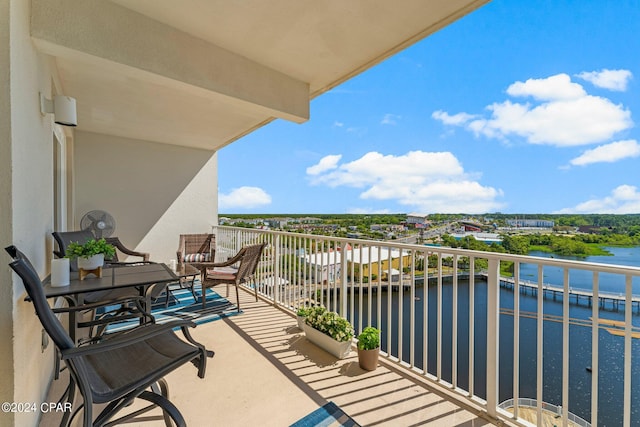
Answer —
611 347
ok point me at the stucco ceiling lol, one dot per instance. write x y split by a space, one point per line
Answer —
283 52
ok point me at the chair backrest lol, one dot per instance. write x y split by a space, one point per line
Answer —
196 248
32 283
17 254
249 261
64 238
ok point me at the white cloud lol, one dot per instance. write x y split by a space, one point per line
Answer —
390 119
325 164
565 115
456 119
608 153
555 87
608 79
338 124
624 199
422 181
244 198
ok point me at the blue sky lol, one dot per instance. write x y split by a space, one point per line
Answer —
519 107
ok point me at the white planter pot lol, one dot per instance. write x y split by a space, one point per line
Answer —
91 263
325 342
301 322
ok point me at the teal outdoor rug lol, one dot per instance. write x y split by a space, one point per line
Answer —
182 306
329 415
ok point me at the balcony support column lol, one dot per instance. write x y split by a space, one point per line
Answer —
493 329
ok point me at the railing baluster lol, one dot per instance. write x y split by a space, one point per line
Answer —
454 326
370 293
565 348
472 322
439 320
628 312
412 312
400 299
379 301
516 338
343 282
389 310
595 316
540 326
493 332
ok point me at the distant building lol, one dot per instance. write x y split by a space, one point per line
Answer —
487 238
418 220
277 222
539 223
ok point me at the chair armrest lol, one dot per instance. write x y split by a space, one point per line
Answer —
122 248
125 339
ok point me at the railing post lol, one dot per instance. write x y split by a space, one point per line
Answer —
493 330
343 279
276 269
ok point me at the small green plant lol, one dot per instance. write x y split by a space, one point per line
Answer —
90 248
303 311
330 323
369 338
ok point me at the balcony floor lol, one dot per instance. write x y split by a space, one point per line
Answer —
266 373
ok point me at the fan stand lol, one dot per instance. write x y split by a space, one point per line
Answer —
82 273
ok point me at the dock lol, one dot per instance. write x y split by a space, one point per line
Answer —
606 300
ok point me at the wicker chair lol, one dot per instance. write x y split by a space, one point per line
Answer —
119 369
196 248
247 259
199 250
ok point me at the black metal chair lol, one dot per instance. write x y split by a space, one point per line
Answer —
121 368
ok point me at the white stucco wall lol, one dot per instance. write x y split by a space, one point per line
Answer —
27 207
154 191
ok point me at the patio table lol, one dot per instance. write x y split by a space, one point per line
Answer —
140 277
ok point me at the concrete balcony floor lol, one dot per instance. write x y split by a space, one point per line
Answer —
265 373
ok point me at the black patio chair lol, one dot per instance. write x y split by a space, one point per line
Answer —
121 368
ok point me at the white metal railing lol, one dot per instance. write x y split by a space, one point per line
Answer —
443 313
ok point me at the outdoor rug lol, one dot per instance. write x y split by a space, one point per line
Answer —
329 415
182 306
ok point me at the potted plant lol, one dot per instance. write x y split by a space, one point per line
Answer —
329 331
369 348
301 315
91 254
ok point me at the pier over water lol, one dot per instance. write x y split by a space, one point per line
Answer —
606 300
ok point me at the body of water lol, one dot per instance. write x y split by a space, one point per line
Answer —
611 347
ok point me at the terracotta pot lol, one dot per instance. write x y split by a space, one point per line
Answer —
368 359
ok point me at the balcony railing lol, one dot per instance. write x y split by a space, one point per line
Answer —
568 325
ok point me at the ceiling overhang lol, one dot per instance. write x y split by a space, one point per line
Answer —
202 73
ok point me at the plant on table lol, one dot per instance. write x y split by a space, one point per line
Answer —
90 248
330 323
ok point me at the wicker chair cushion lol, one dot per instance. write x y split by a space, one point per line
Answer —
200 257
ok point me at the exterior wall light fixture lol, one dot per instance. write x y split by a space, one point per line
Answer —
62 107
